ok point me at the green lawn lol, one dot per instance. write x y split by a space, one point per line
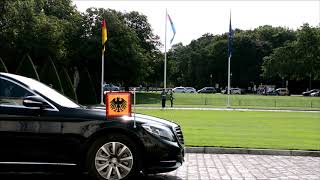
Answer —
237 101
275 130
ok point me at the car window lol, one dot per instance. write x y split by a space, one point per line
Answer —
11 93
46 91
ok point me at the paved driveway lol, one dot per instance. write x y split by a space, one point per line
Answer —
223 166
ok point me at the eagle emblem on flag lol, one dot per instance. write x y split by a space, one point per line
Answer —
118 104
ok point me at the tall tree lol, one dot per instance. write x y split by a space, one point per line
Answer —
296 60
125 58
308 50
140 25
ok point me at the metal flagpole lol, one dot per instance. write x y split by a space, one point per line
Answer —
229 58
102 76
165 55
134 108
104 39
228 105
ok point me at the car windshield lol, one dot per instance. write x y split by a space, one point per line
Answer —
47 91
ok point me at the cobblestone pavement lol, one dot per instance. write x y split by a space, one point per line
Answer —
222 166
230 166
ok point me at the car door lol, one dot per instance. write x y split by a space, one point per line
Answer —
25 134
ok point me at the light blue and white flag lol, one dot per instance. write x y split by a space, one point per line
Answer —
173 29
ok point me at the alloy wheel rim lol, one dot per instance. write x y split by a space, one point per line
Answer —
113 161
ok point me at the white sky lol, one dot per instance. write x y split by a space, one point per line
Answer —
192 19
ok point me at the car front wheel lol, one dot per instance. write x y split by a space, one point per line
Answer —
114 157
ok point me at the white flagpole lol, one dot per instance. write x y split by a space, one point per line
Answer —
165 55
102 77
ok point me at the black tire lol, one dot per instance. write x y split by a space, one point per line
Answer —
133 147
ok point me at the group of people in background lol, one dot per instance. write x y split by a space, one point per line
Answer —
164 98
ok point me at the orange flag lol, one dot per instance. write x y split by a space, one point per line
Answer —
118 104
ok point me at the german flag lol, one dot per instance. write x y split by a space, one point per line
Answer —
104 34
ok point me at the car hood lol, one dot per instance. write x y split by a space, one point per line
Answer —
140 118
150 119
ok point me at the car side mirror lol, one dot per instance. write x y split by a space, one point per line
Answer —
36 102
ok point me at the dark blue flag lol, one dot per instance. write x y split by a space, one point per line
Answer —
230 38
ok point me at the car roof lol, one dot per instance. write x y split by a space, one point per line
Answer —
6 74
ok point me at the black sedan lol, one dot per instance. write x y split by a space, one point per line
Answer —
40 127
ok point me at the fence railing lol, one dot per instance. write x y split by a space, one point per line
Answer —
241 101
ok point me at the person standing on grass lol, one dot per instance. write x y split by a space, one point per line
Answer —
171 98
163 98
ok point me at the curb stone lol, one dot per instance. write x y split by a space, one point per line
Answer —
217 150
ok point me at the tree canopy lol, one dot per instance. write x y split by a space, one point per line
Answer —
36 33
